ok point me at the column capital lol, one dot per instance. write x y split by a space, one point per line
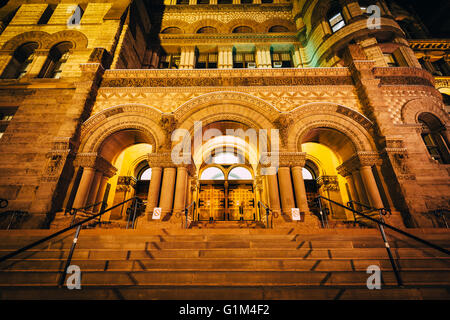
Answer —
93 160
163 160
285 159
126 181
360 159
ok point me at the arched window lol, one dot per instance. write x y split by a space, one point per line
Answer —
307 174
172 30
334 17
278 29
56 59
145 174
242 29
240 173
434 138
212 173
21 61
207 29
226 158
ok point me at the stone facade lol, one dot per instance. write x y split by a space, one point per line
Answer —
134 74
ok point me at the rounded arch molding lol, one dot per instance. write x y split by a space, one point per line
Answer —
263 110
46 40
349 122
412 109
134 117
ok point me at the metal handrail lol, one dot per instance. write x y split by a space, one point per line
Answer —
372 209
186 213
73 211
382 224
74 242
268 210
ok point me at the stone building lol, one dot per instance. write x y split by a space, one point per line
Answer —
91 95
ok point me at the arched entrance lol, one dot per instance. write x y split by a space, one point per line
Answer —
226 191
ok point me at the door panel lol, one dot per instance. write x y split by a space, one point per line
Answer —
241 202
211 202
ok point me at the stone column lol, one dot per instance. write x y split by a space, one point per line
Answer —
262 56
300 191
84 188
274 197
187 59
40 56
286 193
371 187
167 189
359 187
94 189
101 192
153 191
225 57
180 190
351 183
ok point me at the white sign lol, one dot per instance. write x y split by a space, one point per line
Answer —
296 214
156 213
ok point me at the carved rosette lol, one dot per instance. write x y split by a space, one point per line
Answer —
92 160
329 183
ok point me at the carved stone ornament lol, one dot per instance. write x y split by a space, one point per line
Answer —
92 160
163 160
127 181
361 159
329 183
284 159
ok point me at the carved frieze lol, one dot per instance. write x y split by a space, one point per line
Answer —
93 160
360 159
329 183
126 181
284 159
163 160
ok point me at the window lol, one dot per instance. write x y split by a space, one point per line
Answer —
182 1
434 139
57 58
281 60
206 61
266 1
335 18
240 173
224 1
172 30
243 29
246 1
145 174
20 62
207 29
170 61
212 173
337 22
278 29
307 174
202 1
390 59
244 60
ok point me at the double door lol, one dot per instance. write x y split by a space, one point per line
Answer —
226 200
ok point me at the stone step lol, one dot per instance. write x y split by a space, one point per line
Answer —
305 253
225 264
222 293
227 278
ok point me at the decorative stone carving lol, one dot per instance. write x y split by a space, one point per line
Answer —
93 160
285 159
329 183
360 159
163 160
168 123
127 181
283 124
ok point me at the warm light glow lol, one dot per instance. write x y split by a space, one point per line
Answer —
240 173
146 175
212 173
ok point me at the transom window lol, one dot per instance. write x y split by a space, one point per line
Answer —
240 173
337 22
212 173
307 174
145 175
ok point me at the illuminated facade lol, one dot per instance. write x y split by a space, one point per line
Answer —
87 109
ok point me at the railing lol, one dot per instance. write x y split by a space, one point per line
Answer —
73 212
77 225
186 213
370 209
14 213
381 224
267 210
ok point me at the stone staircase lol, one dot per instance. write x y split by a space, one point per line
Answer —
225 263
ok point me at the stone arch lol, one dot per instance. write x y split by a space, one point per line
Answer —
184 26
77 38
40 37
221 28
257 27
354 128
99 127
412 109
278 22
202 107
